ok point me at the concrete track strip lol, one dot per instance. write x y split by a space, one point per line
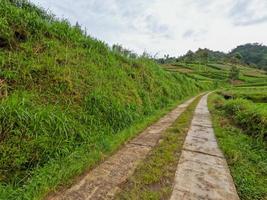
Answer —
202 171
103 181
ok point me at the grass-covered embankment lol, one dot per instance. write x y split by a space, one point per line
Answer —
244 109
153 178
68 100
257 94
248 116
245 154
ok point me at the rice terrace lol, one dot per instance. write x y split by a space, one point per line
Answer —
84 117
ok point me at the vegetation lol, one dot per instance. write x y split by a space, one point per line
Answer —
247 116
246 156
244 107
68 100
255 93
203 56
252 55
234 74
219 74
153 178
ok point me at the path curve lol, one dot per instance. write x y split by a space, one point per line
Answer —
103 181
202 171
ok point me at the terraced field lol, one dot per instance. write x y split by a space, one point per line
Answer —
219 73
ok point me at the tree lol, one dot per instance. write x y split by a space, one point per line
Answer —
189 56
166 56
205 57
117 48
238 56
78 27
234 74
146 55
123 51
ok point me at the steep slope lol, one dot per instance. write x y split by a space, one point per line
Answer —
68 99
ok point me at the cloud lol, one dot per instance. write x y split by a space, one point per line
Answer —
195 35
188 34
252 21
170 26
246 13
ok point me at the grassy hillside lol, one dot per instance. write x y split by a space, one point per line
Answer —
67 100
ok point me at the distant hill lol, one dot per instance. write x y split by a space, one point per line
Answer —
253 55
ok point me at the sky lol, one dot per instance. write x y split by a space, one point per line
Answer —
171 27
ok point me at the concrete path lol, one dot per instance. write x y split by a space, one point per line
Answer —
202 172
103 181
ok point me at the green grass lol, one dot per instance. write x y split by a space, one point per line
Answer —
68 100
153 178
61 171
247 115
257 84
256 94
247 108
261 106
218 72
246 156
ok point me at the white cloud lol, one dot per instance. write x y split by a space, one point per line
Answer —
246 12
169 26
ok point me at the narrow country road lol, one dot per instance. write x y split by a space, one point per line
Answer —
103 181
202 172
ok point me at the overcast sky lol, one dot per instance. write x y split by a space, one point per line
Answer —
167 26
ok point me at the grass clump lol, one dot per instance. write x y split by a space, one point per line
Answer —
245 155
153 178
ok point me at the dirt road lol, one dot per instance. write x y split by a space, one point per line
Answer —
102 182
